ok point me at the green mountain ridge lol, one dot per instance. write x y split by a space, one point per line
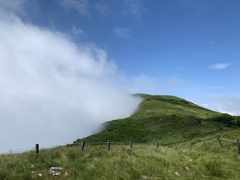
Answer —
167 119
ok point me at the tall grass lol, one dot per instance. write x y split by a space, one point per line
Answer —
144 161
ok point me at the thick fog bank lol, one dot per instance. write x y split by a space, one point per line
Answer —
53 91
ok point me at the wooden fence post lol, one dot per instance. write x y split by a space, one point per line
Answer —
37 149
108 145
130 145
203 144
157 145
82 145
238 146
190 145
220 142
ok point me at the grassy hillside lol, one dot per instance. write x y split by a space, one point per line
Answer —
166 119
170 120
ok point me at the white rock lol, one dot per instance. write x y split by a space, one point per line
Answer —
56 168
177 173
55 171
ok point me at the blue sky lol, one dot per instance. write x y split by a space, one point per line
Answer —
187 48
69 62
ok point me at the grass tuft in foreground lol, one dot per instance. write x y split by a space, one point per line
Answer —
144 161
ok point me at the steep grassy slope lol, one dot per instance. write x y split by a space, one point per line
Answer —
166 119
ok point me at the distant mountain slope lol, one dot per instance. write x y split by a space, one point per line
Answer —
166 119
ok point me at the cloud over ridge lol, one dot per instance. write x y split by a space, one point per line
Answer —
53 90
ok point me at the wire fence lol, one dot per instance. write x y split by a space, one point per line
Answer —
220 142
22 150
130 144
15 151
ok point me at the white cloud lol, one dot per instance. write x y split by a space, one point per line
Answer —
103 9
134 7
122 32
20 7
81 6
77 31
54 91
142 84
225 104
12 5
219 66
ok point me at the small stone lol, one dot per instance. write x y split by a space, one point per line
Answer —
177 173
55 171
56 168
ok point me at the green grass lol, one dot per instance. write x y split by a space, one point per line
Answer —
144 161
168 119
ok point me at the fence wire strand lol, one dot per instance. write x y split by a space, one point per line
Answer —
154 143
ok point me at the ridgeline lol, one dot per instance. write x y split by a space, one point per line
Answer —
167 119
